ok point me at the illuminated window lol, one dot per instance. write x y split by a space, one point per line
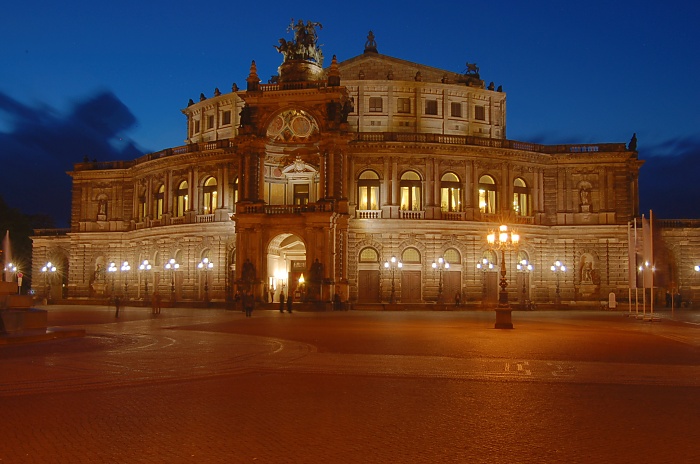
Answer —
410 191
431 107
141 213
158 200
456 109
410 256
522 198
182 199
403 105
487 195
368 190
450 193
369 255
210 195
375 104
301 194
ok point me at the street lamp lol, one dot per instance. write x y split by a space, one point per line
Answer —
143 267
126 268
172 266
393 265
12 269
112 268
205 265
525 268
502 241
440 266
557 268
48 270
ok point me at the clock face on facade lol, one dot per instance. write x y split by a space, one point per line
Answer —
292 126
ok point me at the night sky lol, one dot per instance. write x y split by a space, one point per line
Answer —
107 80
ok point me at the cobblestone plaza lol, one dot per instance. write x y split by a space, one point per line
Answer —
193 385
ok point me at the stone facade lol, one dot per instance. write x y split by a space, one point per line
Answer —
328 178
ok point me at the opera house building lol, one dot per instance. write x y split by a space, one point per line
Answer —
374 178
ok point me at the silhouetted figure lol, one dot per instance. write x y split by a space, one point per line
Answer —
290 298
281 301
117 303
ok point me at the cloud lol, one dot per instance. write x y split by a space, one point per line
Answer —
40 145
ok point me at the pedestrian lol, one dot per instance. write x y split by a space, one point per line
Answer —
336 302
248 303
289 302
154 304
117 302
158 302
281 301
458 298
237 300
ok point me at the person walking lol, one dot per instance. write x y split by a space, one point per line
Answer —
248 303
289 302
117 302
281 301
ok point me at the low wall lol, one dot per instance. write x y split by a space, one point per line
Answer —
18 320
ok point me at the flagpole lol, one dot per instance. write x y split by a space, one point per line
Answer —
651 249
636 276
629 272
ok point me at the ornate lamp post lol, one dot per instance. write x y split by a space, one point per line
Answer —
439 266
12 269
525 268
126 268
145 266
172 266
112 269
205 266
557 268
393 265
502 241
48 269
484 266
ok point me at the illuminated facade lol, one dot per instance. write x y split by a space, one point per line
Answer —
327 173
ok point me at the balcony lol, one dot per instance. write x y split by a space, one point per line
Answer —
368 214
411 214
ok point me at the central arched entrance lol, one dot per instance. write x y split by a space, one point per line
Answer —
286 264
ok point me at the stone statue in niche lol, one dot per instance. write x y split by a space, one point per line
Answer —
585 199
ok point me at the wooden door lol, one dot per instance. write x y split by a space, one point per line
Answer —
411 287
368 286
451 285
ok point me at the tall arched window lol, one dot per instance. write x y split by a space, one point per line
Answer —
410 256
182 199
368 190
487 195
452 256
450 192
210 195
369 255
158 200
410 191
522 198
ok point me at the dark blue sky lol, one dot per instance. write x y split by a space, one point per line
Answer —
107 80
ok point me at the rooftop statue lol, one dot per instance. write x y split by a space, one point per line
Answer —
305 44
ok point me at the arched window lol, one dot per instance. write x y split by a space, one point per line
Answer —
487 195
450 192
410 191
158 200
410 256
452 256
210 195
368 190
522 199
369 255
182 199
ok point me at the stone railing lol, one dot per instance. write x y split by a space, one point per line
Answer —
368 214
411 214
204 218
452 215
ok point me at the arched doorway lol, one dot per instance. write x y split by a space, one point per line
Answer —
286 264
